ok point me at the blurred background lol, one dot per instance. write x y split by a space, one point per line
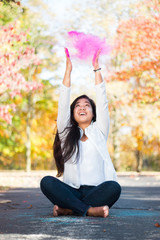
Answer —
32 64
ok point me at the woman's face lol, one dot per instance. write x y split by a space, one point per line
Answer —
83 113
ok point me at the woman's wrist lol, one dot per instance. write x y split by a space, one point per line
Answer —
97 69
66 81
68 72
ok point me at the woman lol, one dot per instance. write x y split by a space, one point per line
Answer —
89 184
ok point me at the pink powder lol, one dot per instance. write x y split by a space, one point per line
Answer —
87 45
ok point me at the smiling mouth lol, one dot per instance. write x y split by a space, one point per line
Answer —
82 114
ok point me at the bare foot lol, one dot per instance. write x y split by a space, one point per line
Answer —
98 211
61 211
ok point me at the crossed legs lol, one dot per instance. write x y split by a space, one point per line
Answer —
88 200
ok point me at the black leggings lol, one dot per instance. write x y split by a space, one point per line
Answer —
80 200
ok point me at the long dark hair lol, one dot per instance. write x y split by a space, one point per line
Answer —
63 153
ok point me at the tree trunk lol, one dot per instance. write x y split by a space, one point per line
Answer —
139 160
28 135
28 123
28 148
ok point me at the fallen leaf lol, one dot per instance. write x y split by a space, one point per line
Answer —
157 225
30 206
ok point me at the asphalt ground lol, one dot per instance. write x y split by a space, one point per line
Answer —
28 213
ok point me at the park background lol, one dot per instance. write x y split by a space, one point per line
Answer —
32 64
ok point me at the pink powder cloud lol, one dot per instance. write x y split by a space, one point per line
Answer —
86 45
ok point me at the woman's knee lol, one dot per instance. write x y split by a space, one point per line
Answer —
46 181
115 186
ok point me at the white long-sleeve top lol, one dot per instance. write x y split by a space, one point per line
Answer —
90 164
96 132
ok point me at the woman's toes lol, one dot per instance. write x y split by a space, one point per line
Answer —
106 211
55 211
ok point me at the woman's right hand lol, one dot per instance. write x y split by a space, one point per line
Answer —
68 61
67 75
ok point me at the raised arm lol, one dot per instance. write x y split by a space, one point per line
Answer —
67 75
102 118
95 63
64 99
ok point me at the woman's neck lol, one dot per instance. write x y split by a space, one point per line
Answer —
84 138
84 126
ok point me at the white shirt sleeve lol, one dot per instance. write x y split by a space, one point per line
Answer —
102 118
63 119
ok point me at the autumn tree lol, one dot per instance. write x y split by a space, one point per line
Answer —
138 47
28 103
14 57
136 56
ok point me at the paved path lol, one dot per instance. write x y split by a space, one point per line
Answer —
133 217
